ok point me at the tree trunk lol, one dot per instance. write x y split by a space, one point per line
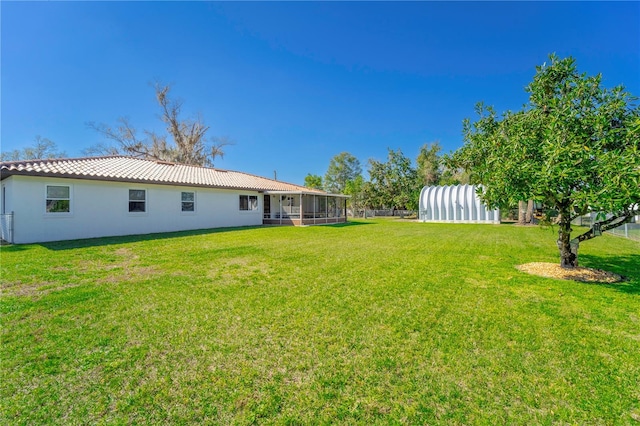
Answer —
568 248
529 215
522 212
525 212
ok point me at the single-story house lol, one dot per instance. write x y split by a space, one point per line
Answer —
74 198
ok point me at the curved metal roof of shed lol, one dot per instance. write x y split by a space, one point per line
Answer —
130 169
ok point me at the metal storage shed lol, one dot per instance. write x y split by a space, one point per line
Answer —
454 204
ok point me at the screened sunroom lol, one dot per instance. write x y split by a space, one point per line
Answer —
303 208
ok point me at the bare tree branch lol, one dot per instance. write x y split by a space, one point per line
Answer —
188 136
125 137
41 149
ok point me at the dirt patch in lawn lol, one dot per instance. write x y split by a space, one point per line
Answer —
32 290
554 270
128 273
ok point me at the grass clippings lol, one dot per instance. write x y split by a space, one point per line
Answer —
554 270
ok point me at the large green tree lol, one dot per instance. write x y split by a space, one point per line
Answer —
342 168
313 181
355 189
429 164
393 183
433 170
574 147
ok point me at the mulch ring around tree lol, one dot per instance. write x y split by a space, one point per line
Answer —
554 270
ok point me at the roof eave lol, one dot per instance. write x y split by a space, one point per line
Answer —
7 173
322 194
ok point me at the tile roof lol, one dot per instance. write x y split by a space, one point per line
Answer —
130 169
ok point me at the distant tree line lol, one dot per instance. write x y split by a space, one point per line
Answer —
392 184
42 148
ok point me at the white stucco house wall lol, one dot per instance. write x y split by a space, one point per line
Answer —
65 199
455 204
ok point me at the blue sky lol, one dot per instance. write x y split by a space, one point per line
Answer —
295 83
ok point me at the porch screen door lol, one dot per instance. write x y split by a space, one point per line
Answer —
267 206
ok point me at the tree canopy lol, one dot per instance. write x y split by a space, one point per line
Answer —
393 183
187 145
574 147
355 190
429 164
313 181
432 169
42 148
342 168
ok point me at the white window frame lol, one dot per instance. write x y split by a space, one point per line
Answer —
47 198
145 201
182 202
249 208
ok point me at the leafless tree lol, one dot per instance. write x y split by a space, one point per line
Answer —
189 144
41 149
125 137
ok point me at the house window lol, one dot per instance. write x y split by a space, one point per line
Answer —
248 202
58 199
137 200
188 201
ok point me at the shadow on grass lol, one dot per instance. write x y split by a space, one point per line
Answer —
626 265
9 248
344 224
106 241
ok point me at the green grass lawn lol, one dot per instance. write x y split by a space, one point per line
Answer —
633 232
372 322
